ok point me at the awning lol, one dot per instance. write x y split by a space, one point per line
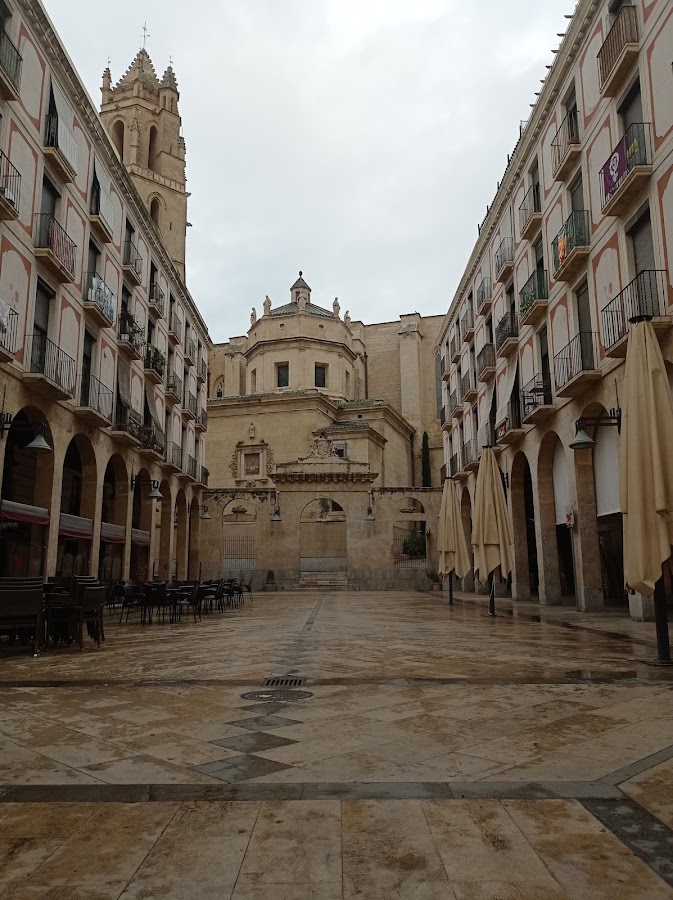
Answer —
66 117
124 383
106 208
22 512
505 388
140 538
75 527
152 409
112 534
484 414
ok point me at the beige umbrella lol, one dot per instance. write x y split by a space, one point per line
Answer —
491 531
451 543
646 470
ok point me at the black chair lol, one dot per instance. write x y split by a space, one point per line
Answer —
246 588
92 601
21 612
134 598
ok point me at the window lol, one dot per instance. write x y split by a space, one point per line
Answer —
340 449
126 299
320 375
129 231
538 249
252 464
253 381
152 153
49 199
643 244
348 385
43 298
154 211
282 375
118 138
92 261
153 276
631 110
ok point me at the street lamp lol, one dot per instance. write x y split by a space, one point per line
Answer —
154 494
582 440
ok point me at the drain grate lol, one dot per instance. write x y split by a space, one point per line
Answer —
282 695
284 682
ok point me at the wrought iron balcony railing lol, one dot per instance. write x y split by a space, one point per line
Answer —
175 326
190 349
507 327
205 475
10 183
152 438
504 255
96 396
203 369
9 324
483 292
202 418
96 291
190 403
579 355
155 360
443 416
512 420
10 61
485 359
634 149
157 298
101 206
453 402
455 346
130 332
454 465
468 383
536 288
174 383
48 359
133 259
567 135
467 323
536 393
624 31
49 235
189 466
575 233
470 454
531 205
60 137
128 421
642 298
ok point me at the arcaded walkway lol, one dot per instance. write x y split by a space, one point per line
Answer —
439 754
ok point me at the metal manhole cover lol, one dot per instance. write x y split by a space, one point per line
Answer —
284 682
279 695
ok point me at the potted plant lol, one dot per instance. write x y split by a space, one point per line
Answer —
436 581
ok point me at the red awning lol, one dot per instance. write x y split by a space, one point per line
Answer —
112 534
22 512
75 527
141 538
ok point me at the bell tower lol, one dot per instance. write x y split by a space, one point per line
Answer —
140 114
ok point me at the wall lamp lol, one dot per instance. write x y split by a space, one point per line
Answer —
205 515
582 440
38 443
154 494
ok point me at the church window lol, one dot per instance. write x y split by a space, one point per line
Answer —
118 138
152 154
154 211
320 375
282 375
253 381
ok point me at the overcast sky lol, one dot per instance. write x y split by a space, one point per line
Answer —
357 140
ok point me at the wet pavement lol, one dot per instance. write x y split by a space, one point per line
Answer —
438 753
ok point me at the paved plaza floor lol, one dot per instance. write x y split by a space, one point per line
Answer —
437 754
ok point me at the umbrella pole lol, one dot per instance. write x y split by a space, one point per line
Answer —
450 588
491 594
661 624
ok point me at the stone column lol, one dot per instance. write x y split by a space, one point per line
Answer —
588 581
126 565
516 509
97 519
54 514
547 546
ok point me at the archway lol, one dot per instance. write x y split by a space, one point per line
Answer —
410 539
466 518
555 552
78 502
193 541
154 211
141 523
525 575
180 524
152 152
323 543
166 532
239 525
113 520
26 497
118 138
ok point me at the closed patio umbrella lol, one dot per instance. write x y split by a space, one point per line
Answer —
646 472
491 531
451 543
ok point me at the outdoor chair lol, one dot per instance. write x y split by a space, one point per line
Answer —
246 588
90 613
21 612
134 598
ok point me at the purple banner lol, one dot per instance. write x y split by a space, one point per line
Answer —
615 168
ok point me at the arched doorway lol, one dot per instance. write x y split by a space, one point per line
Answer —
193 541
323 543
410 542
113 520
78 500
525 578
555 551
166 532
239 525
180 525
466 519
141 523
25 497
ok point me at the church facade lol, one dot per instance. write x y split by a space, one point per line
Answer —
316 426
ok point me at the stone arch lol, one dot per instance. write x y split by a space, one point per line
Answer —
166 532
78 502
323 539
181 526
154 211
554 541
525 573
239 511
411 505
193 541
26 491
153 149
239 530
114 507
141 523
118 134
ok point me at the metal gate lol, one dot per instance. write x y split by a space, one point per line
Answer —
238 553
410 547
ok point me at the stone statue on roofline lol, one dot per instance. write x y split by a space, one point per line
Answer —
267 306
253 316
347 319
336 307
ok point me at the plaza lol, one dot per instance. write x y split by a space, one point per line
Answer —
439 754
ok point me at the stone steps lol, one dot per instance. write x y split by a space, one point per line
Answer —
324 581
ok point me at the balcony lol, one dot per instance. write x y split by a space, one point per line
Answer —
202 371
10 189
619 52
504 260
127 426
457 405
442 474
452 404
486 438
10 68
467 325
155 364
530 213
644 298
9 326
455 349
54 248
173 457
190 352
566 147
506 336
445 369
576 366
570 247
96 401
101 216
60 148
537 402
156 300
189 467
189 406
173 388
132 264
484 294
130 334
454 465
486 363
99 301
152 442
510 429
201 420
470 456
204 476
627 171
468 386
51 370
445 418
534 299
174 329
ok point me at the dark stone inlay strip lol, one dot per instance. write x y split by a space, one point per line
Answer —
314 615
637 768
639 830
415 790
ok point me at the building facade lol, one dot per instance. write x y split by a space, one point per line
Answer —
103 353
315 441
577 242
